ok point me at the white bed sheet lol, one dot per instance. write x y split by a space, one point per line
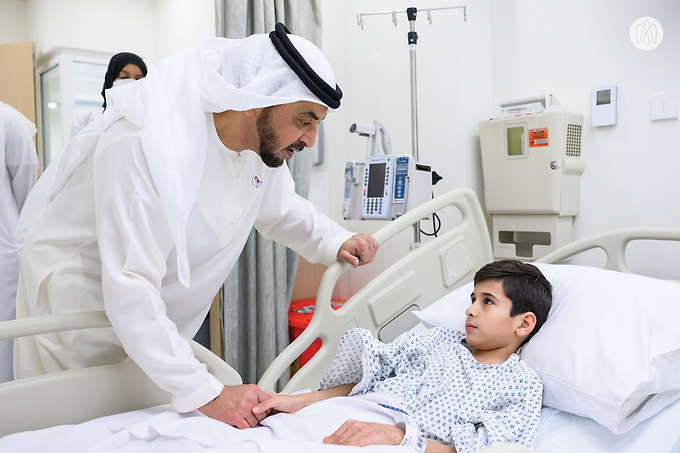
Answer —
562 432
160 430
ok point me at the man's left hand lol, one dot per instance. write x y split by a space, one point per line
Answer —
358 250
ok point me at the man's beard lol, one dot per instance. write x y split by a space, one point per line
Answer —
269 142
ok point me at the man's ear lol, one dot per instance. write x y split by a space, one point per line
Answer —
526 325
253 113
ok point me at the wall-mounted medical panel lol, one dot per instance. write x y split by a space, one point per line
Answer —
532 166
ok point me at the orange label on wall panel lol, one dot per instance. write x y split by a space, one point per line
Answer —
538 137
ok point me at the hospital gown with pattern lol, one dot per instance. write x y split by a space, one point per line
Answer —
452 398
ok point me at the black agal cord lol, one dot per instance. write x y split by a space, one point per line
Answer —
330 96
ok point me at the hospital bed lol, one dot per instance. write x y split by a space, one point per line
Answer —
383 306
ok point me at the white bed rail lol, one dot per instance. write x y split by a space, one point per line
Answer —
614 244
449 261
76 396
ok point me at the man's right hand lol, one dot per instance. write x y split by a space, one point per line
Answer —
234 404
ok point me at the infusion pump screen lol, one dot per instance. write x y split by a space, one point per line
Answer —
376 180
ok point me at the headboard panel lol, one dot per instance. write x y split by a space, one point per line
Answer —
614 244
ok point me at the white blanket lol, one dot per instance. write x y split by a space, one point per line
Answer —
160 430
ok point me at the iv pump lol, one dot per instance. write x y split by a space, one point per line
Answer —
383 186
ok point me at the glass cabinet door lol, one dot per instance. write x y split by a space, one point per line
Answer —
50 91
88 81
71 82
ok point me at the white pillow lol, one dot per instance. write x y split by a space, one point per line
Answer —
610 349
448 311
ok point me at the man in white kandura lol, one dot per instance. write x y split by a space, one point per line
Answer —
18 174
145 212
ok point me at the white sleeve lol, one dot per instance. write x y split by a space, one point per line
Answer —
288 218
21 160
78 123
134 242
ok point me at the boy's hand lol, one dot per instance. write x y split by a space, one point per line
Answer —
275 403
280 403
359 434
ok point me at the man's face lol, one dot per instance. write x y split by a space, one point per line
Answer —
284 129
489 325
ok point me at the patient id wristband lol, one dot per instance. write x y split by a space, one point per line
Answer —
412 437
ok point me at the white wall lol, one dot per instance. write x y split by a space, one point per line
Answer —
152 29
124 25
182 24
569 48
512 48
13 21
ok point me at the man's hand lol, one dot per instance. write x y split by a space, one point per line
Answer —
234 404
360 434
358 250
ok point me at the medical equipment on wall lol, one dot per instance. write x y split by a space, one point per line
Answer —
532 165
603 106
383 186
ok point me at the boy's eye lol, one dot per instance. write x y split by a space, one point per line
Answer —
488 301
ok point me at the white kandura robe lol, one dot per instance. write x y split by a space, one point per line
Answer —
105 242
80 121
18 174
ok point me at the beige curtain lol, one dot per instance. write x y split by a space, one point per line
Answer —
257 293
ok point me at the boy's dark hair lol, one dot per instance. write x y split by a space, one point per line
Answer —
525 286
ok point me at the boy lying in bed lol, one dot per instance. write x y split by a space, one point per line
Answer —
459 392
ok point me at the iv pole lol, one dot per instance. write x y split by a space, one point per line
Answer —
411 14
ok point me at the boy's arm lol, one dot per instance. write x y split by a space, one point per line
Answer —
434 447
360 434
363 359
293 403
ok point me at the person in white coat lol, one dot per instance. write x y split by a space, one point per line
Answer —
144 213
123 68
18 174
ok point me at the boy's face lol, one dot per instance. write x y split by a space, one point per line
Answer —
489 325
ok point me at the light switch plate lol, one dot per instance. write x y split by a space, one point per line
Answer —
665 106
